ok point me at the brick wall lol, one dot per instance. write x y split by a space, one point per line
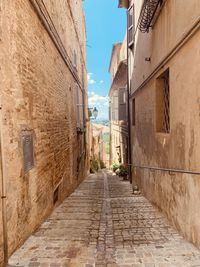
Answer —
38 91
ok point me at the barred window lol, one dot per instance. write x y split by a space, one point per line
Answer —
79 107
163 103
122 116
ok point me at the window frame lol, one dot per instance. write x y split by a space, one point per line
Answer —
131 26
79 107
163 118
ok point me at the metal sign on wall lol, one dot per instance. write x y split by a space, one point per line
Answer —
28 154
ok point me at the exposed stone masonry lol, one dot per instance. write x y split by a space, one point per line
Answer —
38 98
103 224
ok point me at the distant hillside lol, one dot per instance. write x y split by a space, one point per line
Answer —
102 122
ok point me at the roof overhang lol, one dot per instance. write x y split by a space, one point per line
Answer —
123 4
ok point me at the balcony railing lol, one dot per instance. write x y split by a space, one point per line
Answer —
147 14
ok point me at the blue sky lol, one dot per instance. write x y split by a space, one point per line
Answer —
106 25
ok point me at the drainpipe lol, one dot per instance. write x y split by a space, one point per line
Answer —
129 117
3 200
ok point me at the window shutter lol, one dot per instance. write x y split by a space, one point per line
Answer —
77 107
122 104
74 59
109 110
131 26
81 107
116 106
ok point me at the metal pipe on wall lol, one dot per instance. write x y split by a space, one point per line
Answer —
166 169
128 107
3 199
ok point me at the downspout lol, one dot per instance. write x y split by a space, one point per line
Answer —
129 117
3 201
84 113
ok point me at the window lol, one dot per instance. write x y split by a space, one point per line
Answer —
79 107
131 26
75 60
122 104
28 151
114 106
133 112
163 103
55 195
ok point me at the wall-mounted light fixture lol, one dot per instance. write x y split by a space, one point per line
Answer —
95 112
92 113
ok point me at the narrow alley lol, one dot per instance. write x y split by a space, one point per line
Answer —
103 224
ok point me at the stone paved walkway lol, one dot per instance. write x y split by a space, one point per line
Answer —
103 224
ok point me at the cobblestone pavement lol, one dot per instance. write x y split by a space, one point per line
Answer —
103 224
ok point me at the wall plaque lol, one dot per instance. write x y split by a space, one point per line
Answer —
28 155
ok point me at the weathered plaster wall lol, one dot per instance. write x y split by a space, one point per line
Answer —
38 93
1 228
178 195
175 19
115 59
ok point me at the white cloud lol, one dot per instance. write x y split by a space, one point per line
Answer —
95 99
100 102
89 77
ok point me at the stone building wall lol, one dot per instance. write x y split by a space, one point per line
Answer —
38 90
118 107
172 44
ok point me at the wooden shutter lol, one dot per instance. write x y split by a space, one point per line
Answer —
122 104
77 107
116 108
131 26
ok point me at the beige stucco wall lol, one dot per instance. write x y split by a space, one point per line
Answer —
38 93
115 59
173 22
1 228
178 195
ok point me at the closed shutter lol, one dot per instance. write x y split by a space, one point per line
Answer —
122 104
81 107
112 109
77 107
131 26
115 103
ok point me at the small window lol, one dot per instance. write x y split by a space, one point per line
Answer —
79 107
122 116
28 151
74 59
131 26
114 106
55 195
133 112
163 103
